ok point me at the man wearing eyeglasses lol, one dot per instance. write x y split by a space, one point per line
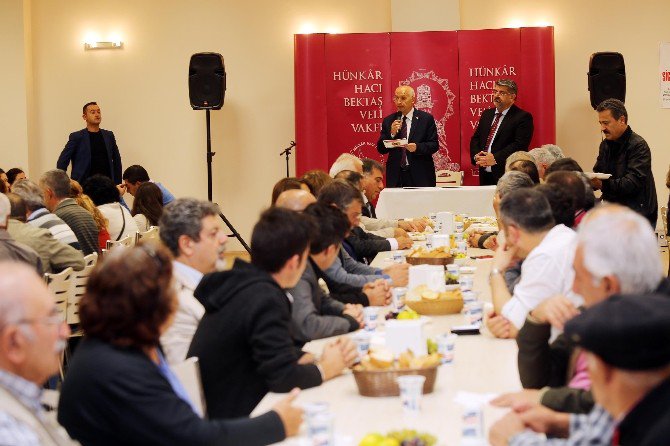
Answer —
32 338
409 164
501 131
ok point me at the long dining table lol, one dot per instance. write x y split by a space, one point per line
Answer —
482 365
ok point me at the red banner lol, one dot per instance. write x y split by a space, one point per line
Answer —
344 84
357 85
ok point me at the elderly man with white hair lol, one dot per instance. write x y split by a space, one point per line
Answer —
32 338
626 261
544 156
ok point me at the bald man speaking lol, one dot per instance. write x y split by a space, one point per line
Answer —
409 165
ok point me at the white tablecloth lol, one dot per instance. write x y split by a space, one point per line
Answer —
401 203
482 364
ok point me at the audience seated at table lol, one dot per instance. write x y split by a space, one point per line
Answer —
119 389
14 175
545 156
315 313
547 251
315 180
528 167
39 216
244 340
147 206
4 182
376 293
578 187
84 201
56 256
286 184
10 249
136 175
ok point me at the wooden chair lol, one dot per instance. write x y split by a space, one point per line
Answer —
78 287
149 234
124 242
449 178
188 373
59 285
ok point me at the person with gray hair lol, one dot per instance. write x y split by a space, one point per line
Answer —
547 251
32 338
626 156
627 261
56 187
346 161
516 156
544 156
39 216
191 230
501 131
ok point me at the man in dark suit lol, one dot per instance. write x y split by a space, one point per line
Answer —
411 164
501 131
92 150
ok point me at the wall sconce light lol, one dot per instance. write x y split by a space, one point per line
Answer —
103 45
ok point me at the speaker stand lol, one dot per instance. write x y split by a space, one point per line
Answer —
287 153
210 155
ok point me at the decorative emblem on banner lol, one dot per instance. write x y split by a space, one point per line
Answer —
434 96
359 151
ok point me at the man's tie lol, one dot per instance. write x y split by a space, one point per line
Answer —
403 134
492 132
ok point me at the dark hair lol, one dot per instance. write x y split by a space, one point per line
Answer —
278 235
574 184
340 194
183 216
282 185
332 226
83 110
351 177
135 173
129 296
17 207
3 186
13 173
528 167
101 190
561 203
563 164
315 180
148 202
615 106
527 208
369 165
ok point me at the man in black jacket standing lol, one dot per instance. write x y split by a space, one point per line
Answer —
411 164
501 131
244 340
626 156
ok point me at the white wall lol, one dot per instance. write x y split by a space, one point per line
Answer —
581 28
143 92
15 79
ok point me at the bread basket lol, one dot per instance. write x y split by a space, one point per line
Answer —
383 382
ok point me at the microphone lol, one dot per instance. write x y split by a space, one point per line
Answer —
398 116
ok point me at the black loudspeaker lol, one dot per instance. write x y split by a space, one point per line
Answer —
607 77
206 81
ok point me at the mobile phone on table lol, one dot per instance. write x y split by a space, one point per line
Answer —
465 329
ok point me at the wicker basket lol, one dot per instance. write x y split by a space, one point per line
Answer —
429 260
383 382
436 307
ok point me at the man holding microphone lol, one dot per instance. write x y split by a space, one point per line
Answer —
409 164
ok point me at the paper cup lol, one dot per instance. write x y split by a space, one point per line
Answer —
446 344
370 317
411 390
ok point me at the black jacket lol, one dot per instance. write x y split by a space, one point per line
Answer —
514 134
366 245
423 133
244 341
648 423
628 159
113 396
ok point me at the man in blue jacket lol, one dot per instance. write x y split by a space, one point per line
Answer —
92 150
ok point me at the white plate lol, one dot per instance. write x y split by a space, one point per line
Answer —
600 176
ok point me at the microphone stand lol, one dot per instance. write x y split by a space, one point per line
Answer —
287 152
